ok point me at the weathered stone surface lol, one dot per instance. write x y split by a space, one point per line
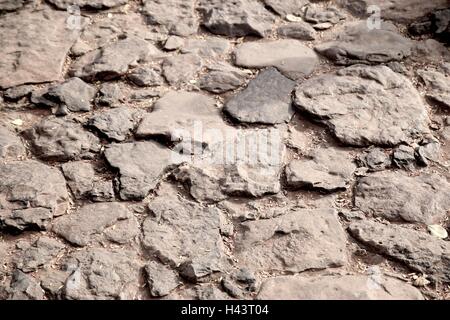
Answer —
25 287
327 170
141 166
177 16
173 43
31 193
161 279
181 68
350 287
403 157
236 18
116 124
11 5
183 232
375 159
113 60
291 57
74 95
297 241
177 116
235 168
41 253
330 15
428 151
438 85
396 196
33 46
146 77
80 177
403 11
11 147
96 4
207 48
61 140
418 250
221 78
105 274
267 99
298 30
358 44
80 228
123 231
17 93
110 95
365 105
285 7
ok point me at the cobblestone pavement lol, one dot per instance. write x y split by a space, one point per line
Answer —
209 149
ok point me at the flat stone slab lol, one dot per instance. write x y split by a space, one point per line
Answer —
34 46
327 170
438 85
236 18
365 105
267 99
176 16
416 249
358 44
181 232
296 241
31 194
350 287
11 147
141 165
290 57
399 197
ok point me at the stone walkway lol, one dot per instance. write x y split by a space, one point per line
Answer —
209 149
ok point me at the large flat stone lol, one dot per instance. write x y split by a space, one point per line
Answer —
34 46
365 105
291 57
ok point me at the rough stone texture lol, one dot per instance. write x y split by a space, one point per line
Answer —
418 250
25 287
34 46
181 68
74 95
403 157
297 241
41 253
11 5
403 11
291 57
140 165
267 99
330 15
96 4
208 48
181 232
31 193
177 16
80 177
80 227
285 7
298 30
61 140
375 159
161 279
221 78
11 147
110 95
232 172
358 44
349 287
236 18
98 273
328 170
115 124
365 105
113 60
438 85
146 77
178 115
396 196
